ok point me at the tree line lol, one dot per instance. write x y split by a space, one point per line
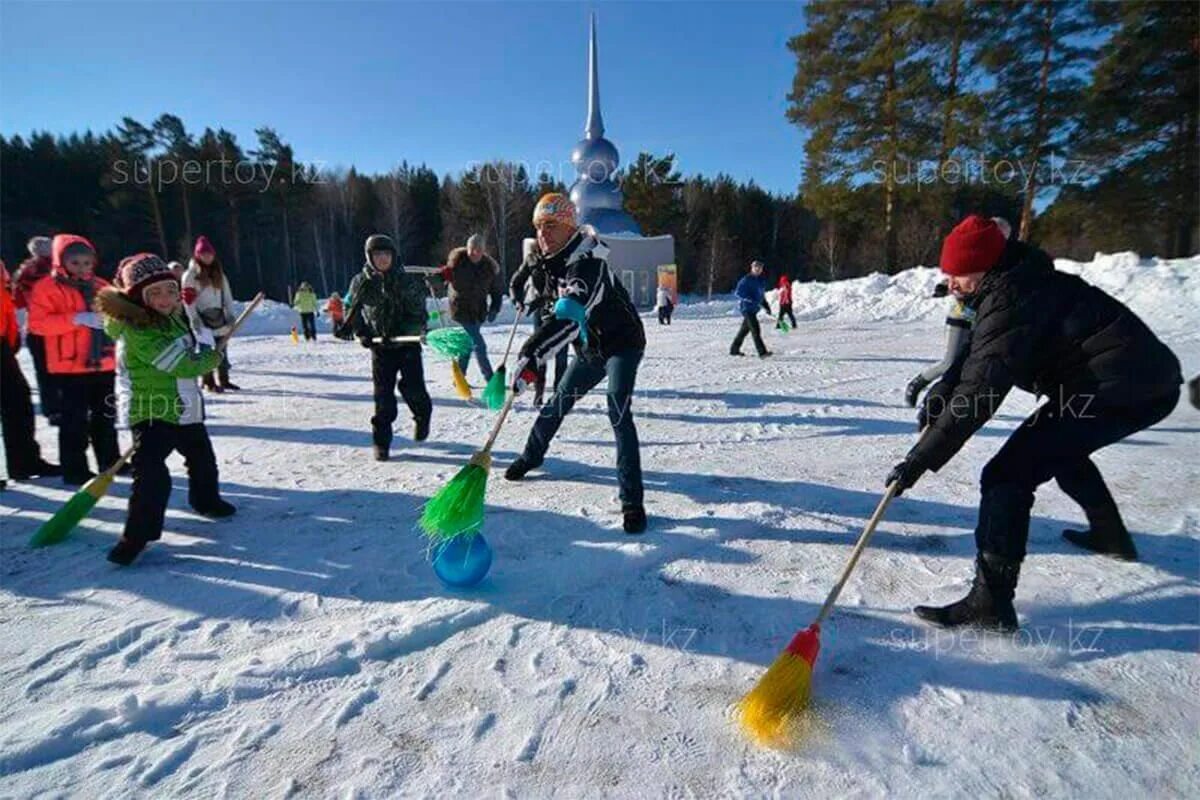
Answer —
916 113
920 112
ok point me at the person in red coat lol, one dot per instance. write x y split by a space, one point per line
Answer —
22 455
785 301
79 355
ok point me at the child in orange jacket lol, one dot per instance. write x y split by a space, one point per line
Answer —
79 355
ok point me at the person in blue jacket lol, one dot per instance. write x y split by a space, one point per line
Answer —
751 293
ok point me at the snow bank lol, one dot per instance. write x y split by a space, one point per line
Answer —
1165 292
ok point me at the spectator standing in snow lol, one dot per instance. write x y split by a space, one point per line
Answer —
22 455
305 303
32 270
751 292
209 304
664 306
79 355
1104 373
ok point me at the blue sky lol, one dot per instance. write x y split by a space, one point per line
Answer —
373 83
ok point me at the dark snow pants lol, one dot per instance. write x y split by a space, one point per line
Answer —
386 364
1056 442
21 449
309 323
89 412
582 376
155 441
749 326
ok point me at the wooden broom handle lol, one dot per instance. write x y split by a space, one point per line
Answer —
863 539
237 323
512 334
508 404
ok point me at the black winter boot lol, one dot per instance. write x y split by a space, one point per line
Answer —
635 519
217 509
988 604
421 429
518 468
125 551
1112 542
381 452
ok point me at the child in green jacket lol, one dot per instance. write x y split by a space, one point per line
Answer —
158 362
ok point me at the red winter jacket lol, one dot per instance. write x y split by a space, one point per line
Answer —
785 291
8 313
32 270
53 305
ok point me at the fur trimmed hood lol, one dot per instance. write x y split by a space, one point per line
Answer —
114 304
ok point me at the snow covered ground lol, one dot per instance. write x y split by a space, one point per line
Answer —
305 648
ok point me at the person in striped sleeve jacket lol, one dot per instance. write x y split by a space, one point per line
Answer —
593 313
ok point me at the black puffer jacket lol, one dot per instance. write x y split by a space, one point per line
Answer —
579 271
386 304
1051 334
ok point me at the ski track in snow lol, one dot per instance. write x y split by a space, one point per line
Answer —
305 648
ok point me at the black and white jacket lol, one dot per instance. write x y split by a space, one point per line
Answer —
580 271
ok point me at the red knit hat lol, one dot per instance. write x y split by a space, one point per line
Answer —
203 245
975 245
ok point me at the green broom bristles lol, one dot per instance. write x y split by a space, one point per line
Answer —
457 508
496 390
449 342
64 520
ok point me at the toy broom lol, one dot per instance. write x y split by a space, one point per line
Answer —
457 508
769 710
453 343
57 528
497 385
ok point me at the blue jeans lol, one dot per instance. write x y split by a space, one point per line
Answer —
584 374
480 351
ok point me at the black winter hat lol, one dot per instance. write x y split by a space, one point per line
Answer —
378 242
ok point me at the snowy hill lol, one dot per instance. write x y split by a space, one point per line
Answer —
304 648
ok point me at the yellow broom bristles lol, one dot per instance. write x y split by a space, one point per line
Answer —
770 710
461 387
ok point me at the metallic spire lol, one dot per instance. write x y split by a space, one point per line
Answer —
595 122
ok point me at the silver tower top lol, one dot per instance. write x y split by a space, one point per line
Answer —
596 194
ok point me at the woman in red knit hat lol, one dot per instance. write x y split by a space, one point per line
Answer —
1105 376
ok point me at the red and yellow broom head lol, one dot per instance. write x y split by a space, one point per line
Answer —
769 711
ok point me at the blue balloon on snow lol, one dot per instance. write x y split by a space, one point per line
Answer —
569 308
463 561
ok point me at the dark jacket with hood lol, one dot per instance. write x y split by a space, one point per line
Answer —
1053 334
385 304
475 289
580 272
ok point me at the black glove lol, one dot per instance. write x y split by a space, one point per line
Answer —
913 390
936 401
905 475
365 341
491 317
